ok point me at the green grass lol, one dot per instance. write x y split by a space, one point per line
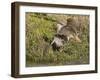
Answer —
40 30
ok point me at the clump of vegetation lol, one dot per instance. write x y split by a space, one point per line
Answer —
40 31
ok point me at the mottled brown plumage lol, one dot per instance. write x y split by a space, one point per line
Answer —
66 32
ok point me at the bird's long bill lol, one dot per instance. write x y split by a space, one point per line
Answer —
77 39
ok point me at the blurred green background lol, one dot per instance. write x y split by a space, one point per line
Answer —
40 31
